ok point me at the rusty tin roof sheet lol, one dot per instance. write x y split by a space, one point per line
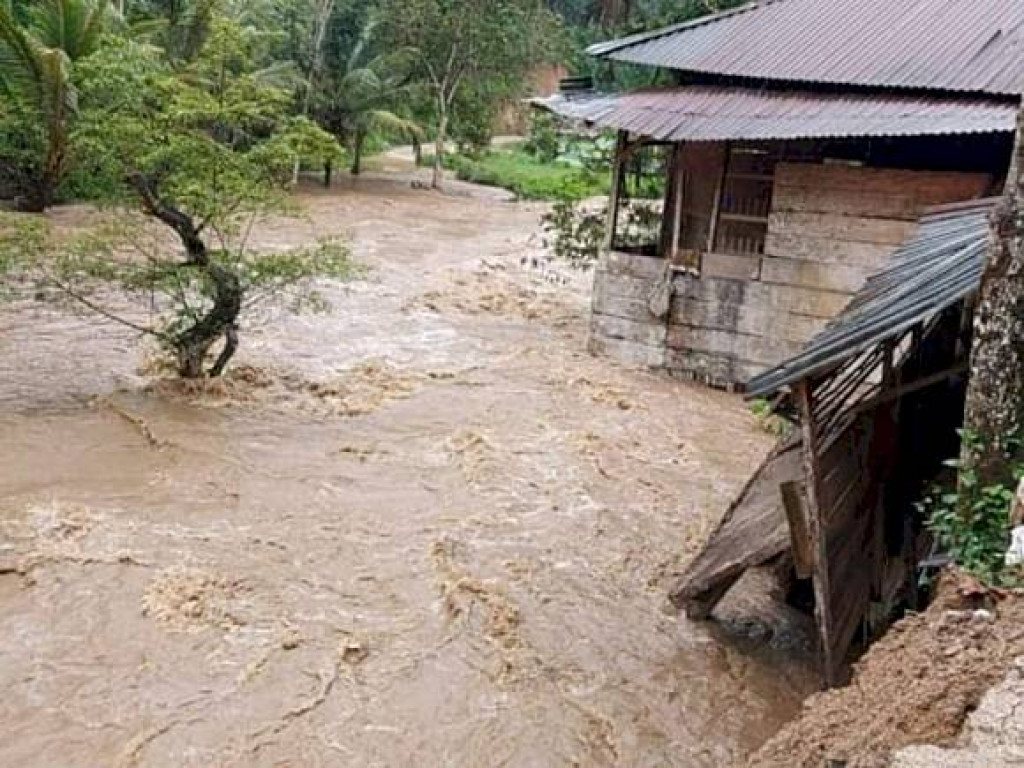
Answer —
952 45
939 266
716 113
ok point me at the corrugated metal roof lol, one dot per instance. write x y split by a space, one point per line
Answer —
938 267
958 45
716 113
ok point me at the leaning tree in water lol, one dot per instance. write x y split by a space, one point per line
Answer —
205 152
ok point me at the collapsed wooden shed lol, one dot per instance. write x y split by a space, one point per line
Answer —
878 399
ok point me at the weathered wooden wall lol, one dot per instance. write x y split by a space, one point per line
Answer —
849 494
830 227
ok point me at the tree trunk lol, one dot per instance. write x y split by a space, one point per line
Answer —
417 151
328 172
357 152
995 396
439 146
615 12
194 344
42 191
321 19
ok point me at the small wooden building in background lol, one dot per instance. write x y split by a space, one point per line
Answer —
794 148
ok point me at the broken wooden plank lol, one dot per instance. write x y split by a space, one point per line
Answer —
752 532
800 537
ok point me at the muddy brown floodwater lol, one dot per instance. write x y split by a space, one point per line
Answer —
422 529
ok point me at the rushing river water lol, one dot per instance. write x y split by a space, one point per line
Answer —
423 529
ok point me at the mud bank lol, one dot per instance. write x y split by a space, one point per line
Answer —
916 686
424 528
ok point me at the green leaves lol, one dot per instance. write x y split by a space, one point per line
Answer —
36 61
972 522
204 149
216 137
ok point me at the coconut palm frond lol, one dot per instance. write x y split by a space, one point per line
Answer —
389 122
59 96
363 79
97 22
20 71
284 75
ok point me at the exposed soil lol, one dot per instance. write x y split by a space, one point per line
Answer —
424 528
915 686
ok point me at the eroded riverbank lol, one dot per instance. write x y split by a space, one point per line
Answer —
422 529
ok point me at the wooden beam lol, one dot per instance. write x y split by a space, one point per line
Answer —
800 538
902 390
817 530
700 606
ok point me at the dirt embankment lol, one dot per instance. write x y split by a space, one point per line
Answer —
918 685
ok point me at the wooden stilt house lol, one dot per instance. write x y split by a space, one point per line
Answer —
791 149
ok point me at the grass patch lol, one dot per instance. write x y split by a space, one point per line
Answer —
527 177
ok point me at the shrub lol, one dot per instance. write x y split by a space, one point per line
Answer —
972 522
575 233
543 143
528 178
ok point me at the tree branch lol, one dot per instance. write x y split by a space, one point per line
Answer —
99 310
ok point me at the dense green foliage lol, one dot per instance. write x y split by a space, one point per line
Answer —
202 147
530 178
367 72
197 116
465 57
40 47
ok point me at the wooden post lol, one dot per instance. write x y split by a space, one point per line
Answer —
716 210
672 217
818 531
618 176
799 535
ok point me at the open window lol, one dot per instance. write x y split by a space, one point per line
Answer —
744 202
703 206
638 200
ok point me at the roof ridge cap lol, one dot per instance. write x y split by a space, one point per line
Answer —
611 46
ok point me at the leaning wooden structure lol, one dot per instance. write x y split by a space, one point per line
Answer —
791 151
878 400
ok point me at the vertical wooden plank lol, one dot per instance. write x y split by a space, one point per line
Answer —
618 176
717 209
817 529
679 170
799 534
669 215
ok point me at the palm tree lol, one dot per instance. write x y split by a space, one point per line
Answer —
359 99
180 27
37 49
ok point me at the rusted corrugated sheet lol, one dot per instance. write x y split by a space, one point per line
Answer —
937 268
960 45
712 113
